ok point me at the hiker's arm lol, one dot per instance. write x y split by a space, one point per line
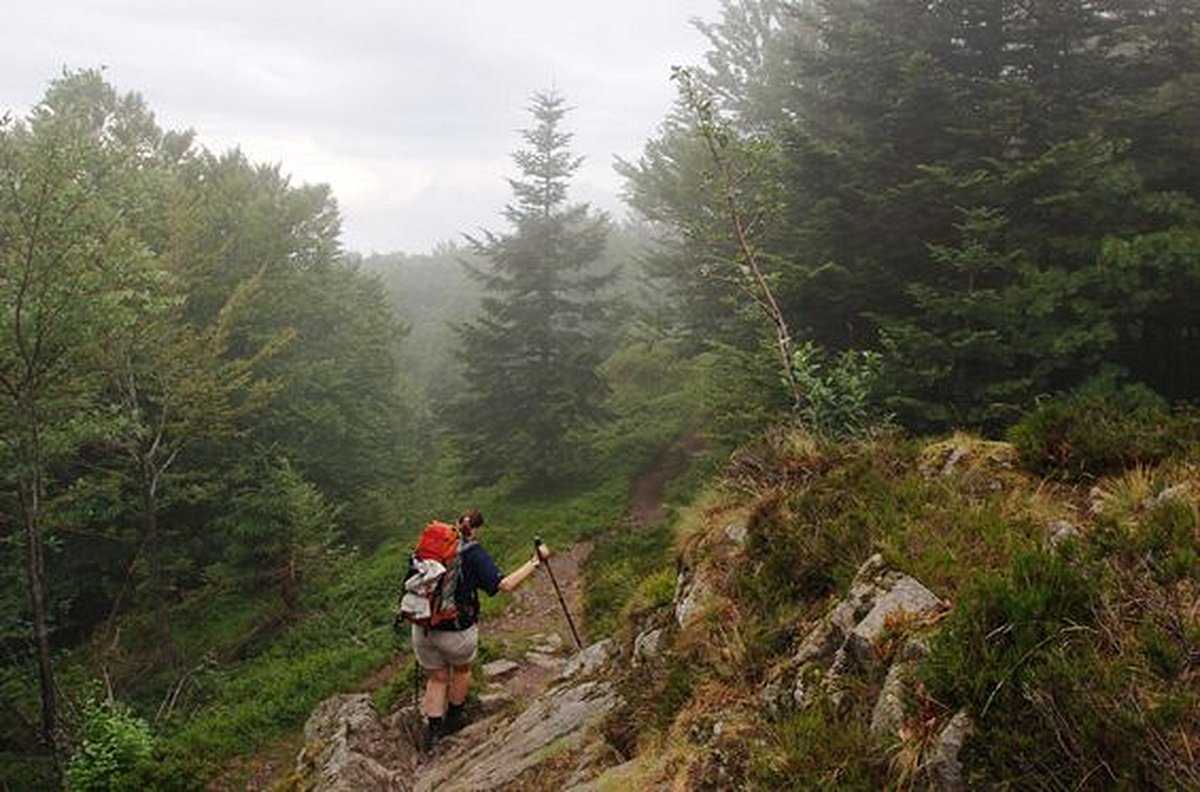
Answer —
518 575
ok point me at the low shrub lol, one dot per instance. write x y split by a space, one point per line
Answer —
1003 626
808 543
1053 708
113 748
1099 429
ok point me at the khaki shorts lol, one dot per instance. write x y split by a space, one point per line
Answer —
441 648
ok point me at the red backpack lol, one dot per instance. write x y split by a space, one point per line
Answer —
431 600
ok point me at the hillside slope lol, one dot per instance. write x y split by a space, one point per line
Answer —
892 613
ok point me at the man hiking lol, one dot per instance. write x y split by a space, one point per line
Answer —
446 649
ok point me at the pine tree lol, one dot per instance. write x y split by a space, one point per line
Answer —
532 354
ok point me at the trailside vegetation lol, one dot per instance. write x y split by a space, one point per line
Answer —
1068 637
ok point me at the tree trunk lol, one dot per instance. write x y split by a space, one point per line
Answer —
35 570
157 583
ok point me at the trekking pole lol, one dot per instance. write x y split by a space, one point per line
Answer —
537 548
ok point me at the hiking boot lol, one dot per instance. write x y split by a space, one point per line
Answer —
456 718
434 731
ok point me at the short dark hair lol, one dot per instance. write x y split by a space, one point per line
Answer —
472 517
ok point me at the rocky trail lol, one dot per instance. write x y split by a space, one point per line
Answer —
530 649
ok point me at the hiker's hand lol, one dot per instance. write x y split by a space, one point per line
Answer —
543 552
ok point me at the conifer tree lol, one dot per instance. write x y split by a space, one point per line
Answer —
532 354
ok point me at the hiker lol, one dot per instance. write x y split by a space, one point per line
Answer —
447 650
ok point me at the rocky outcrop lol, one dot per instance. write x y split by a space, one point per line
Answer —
878 631
348 748
490 755
882 604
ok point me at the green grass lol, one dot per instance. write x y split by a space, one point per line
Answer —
346 629
630 568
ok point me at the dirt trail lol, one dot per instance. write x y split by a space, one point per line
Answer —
531 630
535 617
646 505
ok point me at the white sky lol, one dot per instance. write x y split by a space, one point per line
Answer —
409 109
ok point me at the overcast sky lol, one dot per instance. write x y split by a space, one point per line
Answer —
409 109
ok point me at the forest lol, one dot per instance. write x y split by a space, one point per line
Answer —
219 429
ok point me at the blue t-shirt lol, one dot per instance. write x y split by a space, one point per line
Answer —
479 573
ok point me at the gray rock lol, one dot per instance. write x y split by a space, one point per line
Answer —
556 721
955 455
906 595
345 741
499 668
692 595
805 685
835 683
737 533
545 661
1177 492
547 643
494 698
942 763
1060 531
914 650
590 660
888 715
821 642
646 646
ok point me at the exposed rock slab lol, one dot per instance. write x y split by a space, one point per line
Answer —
348 749
556 721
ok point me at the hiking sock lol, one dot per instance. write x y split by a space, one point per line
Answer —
456 717
434 730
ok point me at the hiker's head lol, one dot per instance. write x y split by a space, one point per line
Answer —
470 520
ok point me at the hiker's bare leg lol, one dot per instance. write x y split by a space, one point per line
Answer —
460 683
434 702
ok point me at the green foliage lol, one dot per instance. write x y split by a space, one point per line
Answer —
1003 627
653 398
740 393
651 703
1099 428
1000 215
1018 653
402 689
114 747
1146 523
837 393
814 749
278 526
533 351
807 544
630 569
238 706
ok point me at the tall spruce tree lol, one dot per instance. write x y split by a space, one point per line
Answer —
532 353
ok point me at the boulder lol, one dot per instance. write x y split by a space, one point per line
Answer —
888 715
347 748
905 597
499 668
